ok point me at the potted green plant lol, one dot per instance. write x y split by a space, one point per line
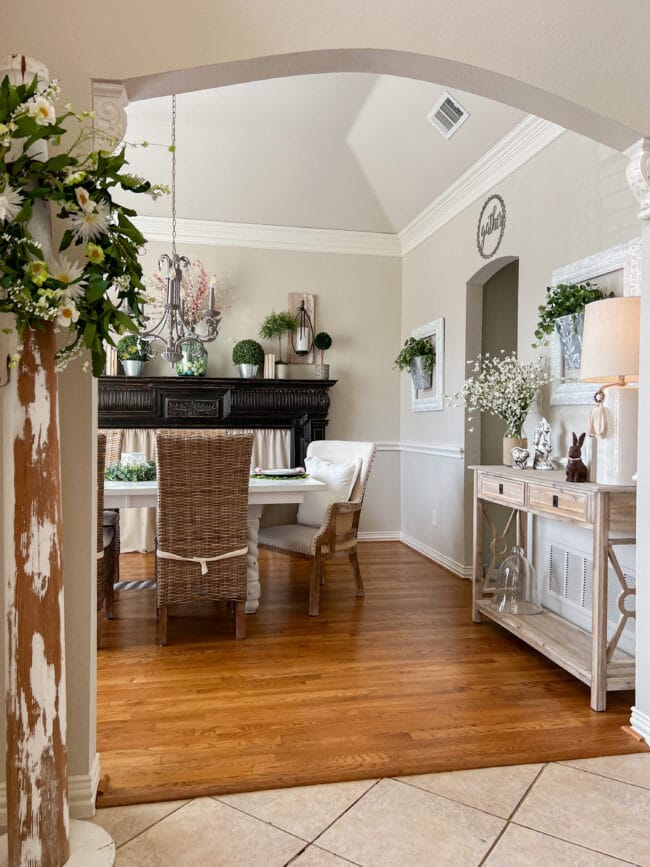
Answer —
322 342
133 352
418 357
276 325
249 356
564 312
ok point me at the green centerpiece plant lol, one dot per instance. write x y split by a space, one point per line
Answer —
133 352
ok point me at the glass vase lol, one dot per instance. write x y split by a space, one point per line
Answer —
194 361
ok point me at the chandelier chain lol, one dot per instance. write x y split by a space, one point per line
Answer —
174 175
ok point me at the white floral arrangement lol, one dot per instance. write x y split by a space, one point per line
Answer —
503 386
96 291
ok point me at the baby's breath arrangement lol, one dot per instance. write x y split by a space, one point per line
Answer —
503 386
97 289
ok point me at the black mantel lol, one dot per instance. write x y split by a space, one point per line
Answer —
201 402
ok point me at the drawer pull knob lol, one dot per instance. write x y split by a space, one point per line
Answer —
556 501
500 488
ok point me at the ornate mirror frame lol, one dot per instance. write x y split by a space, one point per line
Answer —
430 399
625 257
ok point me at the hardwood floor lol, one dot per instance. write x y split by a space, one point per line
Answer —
401 682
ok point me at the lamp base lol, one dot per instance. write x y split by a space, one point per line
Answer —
616 453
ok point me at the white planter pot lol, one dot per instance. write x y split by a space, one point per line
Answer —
322 371
282 371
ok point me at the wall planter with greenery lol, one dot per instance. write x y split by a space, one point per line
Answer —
564 312
248 355
322 342
133 353
418 357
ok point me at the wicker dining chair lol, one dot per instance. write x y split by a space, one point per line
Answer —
202 521
114 446
337 534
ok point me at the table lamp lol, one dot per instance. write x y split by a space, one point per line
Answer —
610 356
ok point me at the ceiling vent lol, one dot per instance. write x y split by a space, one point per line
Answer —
447 115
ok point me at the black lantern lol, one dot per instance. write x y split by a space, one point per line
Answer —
302 339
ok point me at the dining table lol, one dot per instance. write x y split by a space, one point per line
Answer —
261 492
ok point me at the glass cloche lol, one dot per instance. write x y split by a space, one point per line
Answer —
516 586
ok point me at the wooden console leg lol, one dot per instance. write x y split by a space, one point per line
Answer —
599 603
477 576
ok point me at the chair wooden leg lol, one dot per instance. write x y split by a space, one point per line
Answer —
240 621
354 563
109 598
99 628
162 626
314 587
322 573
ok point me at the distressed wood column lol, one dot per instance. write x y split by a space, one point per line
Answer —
638 176
37 806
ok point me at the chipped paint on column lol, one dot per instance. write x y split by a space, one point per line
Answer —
37 808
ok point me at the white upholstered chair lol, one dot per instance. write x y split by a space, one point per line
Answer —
337 534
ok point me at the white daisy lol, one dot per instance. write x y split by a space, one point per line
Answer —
89 225
10 204
65 271
83 199
67 314
42 111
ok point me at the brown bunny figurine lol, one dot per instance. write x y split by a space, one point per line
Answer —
576 471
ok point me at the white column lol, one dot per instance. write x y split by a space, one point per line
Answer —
638 175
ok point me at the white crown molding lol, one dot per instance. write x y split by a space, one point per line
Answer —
82 794
441 450
212 233
527 139
442 559
640 723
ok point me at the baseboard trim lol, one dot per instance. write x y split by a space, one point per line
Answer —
640 723
380 536
437 556
82 793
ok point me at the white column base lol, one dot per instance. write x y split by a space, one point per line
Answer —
616 456
90 846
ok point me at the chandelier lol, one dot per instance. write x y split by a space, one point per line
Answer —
178 328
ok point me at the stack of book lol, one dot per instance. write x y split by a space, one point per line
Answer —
269 366
111 366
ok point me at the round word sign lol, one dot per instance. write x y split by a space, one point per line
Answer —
491 226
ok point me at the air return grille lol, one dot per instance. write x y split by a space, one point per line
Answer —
569 580
447 115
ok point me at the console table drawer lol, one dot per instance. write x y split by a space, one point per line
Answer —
558 503
508 491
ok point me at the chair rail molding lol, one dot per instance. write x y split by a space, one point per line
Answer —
109 103
442 450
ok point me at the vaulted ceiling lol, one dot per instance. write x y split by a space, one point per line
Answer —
339 151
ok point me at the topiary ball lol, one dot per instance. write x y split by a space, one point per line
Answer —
247 352
322 341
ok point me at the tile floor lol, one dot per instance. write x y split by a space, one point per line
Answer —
587 813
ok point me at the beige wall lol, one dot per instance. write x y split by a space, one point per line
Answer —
568 202
358 303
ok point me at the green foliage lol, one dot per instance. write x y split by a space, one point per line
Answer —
277 324
131 472
132 348
416 348
322 341
565 299
78 185
247 352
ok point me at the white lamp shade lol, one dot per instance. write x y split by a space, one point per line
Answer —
610 343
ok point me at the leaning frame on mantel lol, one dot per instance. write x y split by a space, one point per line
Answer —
625 257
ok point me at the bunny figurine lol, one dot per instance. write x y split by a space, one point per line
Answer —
576 471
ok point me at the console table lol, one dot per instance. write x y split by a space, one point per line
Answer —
206 402
603 509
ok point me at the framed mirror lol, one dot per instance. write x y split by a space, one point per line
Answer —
617 270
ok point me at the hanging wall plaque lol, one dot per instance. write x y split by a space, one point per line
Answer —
491 226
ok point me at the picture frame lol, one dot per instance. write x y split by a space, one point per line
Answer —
431 399
618 270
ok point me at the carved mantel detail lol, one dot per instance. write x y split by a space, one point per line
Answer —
109 104
638 176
